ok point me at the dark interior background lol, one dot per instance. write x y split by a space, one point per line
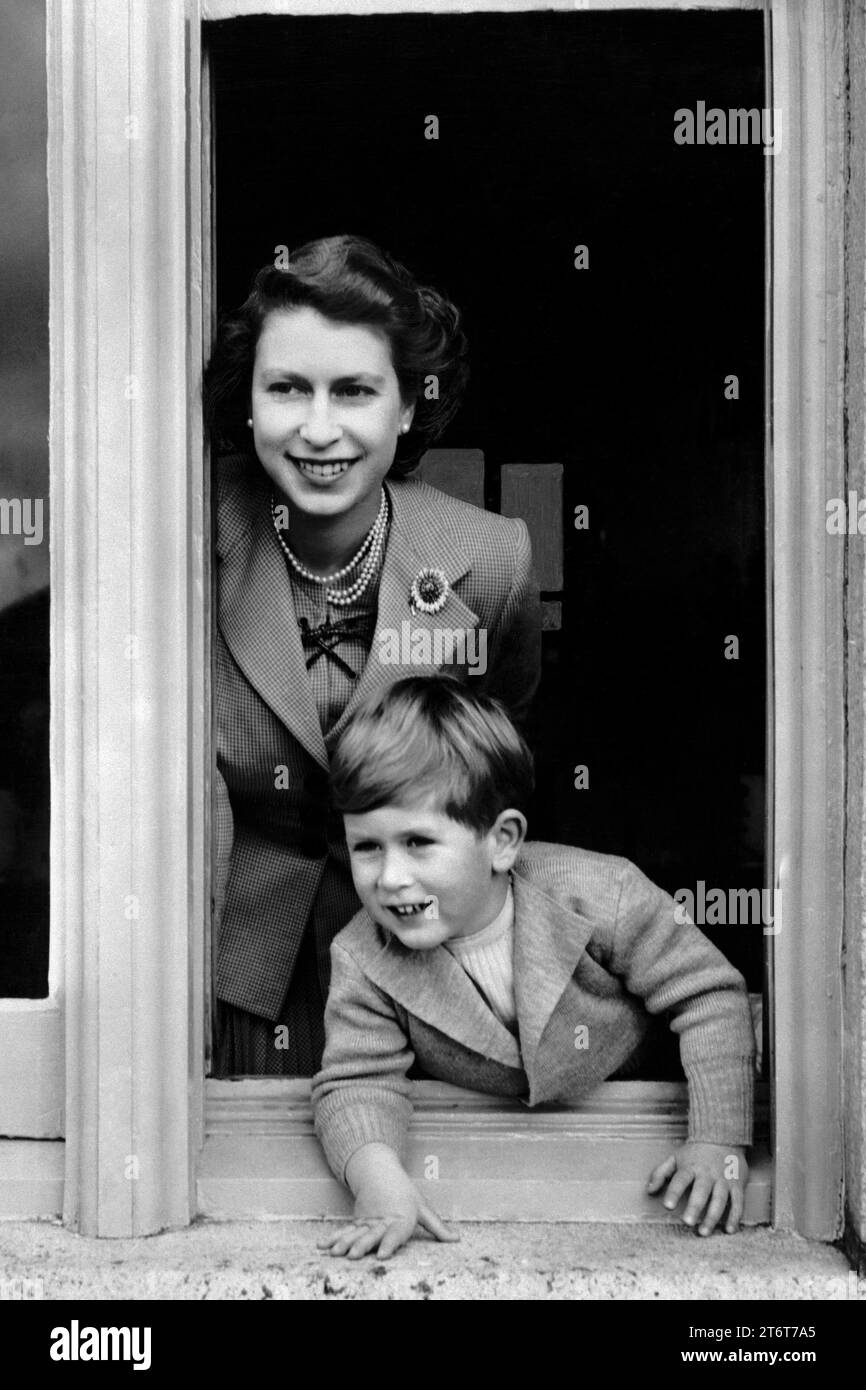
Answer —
25 798
557 129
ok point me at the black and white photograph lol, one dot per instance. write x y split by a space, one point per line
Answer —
432 667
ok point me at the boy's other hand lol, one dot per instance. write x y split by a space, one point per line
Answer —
716 1174
388 1208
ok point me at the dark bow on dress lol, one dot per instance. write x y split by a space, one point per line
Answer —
323 640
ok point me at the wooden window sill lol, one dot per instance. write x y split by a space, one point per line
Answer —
477 1157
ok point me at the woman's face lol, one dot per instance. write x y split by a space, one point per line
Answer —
326 410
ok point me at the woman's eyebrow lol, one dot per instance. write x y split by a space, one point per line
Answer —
282 373
372 377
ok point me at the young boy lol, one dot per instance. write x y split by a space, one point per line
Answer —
520 969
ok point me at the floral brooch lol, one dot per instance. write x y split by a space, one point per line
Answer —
429 592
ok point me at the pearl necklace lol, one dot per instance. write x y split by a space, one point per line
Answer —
368 557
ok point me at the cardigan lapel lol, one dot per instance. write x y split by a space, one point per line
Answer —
417 540
434 988
257 614
549 940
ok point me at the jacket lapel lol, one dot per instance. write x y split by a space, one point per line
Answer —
417 540
256 612
257 615
549 940
431 986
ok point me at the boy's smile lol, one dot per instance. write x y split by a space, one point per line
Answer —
425 877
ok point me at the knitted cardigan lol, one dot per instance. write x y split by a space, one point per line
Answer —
597 953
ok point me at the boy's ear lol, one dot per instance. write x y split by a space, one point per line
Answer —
508 833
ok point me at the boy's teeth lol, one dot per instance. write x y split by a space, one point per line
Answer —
409 910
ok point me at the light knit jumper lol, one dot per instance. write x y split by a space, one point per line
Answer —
487 956
597 952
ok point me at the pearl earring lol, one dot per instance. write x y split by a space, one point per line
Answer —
250 423
404 429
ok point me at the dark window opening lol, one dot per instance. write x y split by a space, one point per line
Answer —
24 596
557 131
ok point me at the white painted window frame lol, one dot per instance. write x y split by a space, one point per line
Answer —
131 718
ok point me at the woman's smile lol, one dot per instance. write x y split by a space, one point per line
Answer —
324 470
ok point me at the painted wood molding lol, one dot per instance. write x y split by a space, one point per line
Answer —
855 860
121 572
237 9
272 1105
475 1156
31 1180
31 1069
808 277
474 1175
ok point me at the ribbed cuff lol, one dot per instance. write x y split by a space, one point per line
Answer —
343 1129
721 1100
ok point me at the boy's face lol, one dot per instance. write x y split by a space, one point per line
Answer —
448 880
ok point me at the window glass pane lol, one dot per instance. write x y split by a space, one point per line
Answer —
24 641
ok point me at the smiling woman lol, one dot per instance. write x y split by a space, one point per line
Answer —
326 412
327 385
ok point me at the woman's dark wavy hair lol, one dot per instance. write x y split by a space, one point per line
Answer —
349 280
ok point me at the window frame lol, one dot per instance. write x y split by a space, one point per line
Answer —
129 178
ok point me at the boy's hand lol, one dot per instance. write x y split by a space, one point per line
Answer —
388 1208
378 1230
717 1175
